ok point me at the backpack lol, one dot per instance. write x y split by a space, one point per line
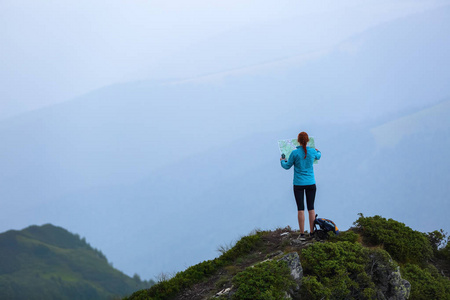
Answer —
325 226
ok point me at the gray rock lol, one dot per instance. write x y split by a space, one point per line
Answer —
293 262
297 242
223 292
386 275
400 288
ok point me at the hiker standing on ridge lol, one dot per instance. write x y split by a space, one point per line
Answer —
302 159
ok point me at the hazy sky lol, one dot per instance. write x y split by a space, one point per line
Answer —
52 51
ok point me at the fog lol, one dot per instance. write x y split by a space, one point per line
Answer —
151 128
52 51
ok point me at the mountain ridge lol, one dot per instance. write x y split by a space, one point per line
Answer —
368 261
48 262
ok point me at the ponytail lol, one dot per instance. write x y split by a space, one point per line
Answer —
303 139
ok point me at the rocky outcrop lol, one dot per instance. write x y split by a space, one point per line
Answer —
293 261
386 275
400 288
384 272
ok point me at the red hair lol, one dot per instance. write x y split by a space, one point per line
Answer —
303 139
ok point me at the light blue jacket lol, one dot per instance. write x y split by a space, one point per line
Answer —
303 167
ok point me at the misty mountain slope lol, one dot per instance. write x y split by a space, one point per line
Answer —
384 68
241 186
186 166
417 170
73 59
256 44
366 77
430 121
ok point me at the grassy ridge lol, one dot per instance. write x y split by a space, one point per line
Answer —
353 265
192 275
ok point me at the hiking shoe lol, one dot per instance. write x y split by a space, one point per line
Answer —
302 237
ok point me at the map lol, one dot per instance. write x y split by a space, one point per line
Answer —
287 146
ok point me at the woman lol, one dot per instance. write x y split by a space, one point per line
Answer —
302 159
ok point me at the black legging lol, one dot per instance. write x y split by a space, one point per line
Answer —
310 191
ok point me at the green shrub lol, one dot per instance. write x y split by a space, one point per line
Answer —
426 283
343 236
329 259
336 271
313 289
445 253
244 246
267 280
438 239
168 288
441 247
403 244
222 282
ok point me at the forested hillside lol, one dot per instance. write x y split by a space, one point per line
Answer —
48 262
